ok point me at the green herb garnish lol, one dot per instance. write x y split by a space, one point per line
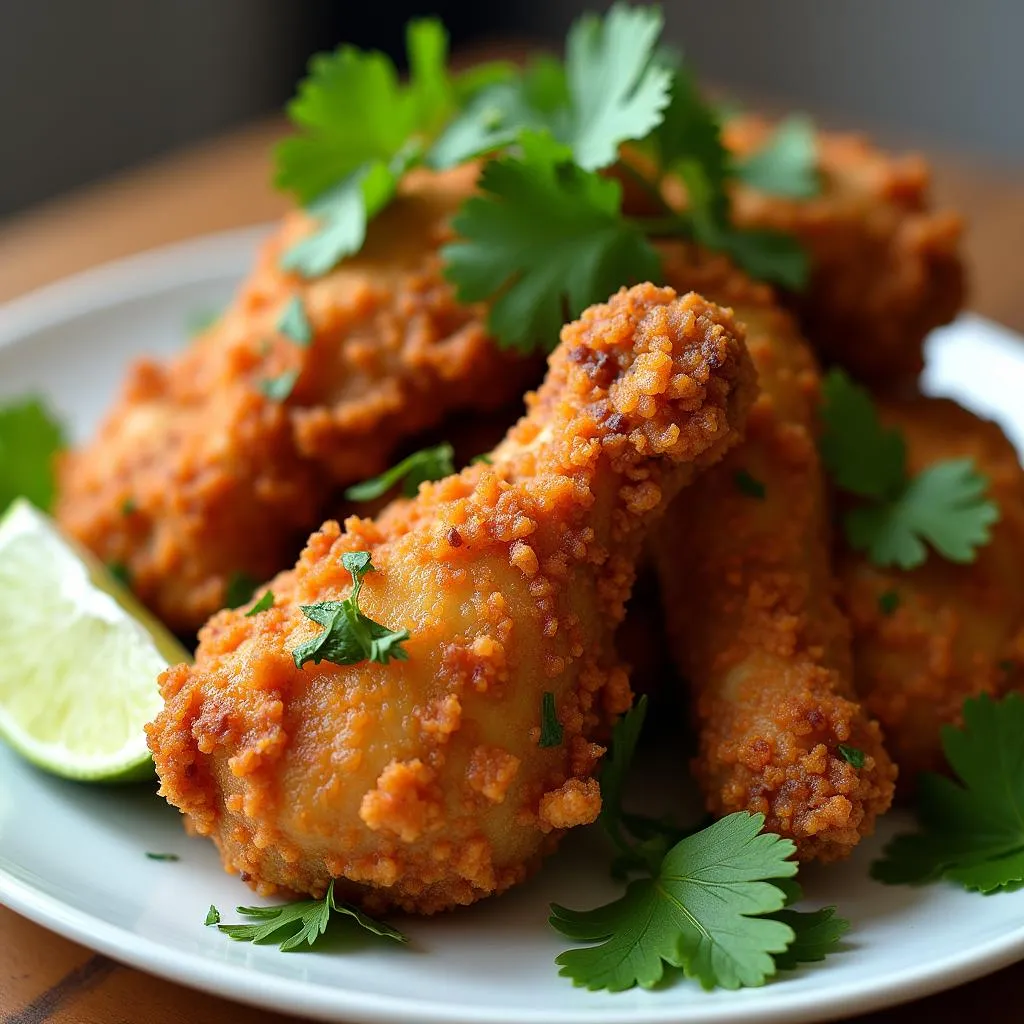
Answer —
550 727
944 505
279 388
163 856
888 602
787 164
749 485
851 755
262 605
348 636
30 438
240 588
427 464
294 323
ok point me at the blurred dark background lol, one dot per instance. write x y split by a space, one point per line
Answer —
88 87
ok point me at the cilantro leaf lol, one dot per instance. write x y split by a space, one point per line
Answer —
701 913
292 924
765 255
162 856
853 756
279 388
618 92
265 603
426 464
349 636
817 934
212 916
239 590
888 602
30 438
546 238
550 727
294 323
862 456
749 485
944 505
787 164
121 573
972 827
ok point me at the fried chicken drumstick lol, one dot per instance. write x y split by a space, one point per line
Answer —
747 592
424 783
202 471
926 639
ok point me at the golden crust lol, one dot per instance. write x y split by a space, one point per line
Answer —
958 630
223 480
421 784
747 595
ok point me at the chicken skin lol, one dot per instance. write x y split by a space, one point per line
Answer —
208 468
926 639
747 592
434 781
885 268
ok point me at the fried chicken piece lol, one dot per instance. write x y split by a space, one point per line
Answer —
198 475
885 268
422 784
952 631
747 592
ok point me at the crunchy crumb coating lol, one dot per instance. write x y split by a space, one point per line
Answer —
420 784
748 600
885 267
220 479
957 630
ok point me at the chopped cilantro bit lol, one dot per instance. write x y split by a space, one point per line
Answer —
129 507
304 921
550 727
121 573
749 485
945 505
349 636
162 856
239 591
293 322
787 164
484 458
972 825
888 602
30 438
426 464
212 916
279 388
544 239
851 755
263 604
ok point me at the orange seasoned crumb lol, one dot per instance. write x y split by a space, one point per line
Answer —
575 802
405 802
491 771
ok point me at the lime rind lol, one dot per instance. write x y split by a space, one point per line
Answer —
78 668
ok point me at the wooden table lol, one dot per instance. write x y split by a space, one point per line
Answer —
224 184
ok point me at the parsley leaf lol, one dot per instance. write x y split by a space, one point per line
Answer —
163 856
550 727
851 755
610 90
239 590
701 912
618 92
787 165
279 388
212 916
972 827
349 636
294 323
944 505
121 573
549 239
263 604
292 924
817 933
30 438
888 602
426 464
749 485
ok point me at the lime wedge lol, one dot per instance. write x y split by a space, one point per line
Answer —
79 657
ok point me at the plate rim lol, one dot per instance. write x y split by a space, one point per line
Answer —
193 261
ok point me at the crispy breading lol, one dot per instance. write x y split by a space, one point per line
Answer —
221 479
748 601
952 631
421 783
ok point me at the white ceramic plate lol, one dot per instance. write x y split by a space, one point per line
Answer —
73 858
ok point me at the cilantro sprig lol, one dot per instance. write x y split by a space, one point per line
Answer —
303 922
714 903
972 826
349 636
547 235
30 438
944 506
427 464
